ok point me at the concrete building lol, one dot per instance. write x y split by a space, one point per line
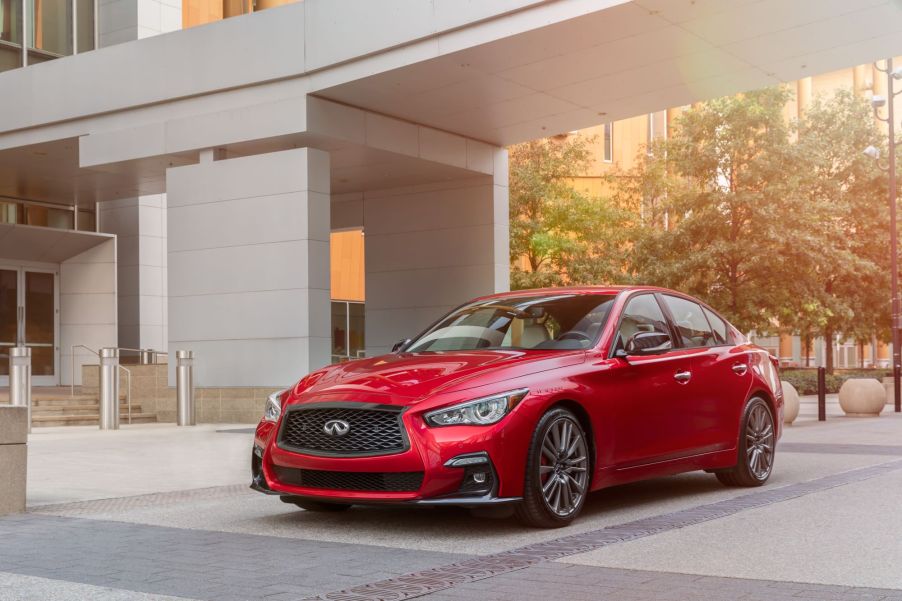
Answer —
180 191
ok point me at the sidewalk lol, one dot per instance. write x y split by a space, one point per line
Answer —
824 527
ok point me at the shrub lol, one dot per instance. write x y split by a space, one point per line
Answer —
805 380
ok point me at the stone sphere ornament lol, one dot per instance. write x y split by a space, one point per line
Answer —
862 397
790 403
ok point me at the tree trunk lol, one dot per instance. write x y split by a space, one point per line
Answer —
806 345
828 350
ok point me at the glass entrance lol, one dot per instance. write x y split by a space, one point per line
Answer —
28 317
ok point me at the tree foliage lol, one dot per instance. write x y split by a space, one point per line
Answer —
782 225
564 235
731 209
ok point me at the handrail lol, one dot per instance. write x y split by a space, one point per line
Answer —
128 376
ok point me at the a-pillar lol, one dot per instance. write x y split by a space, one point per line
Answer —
430 248
249 266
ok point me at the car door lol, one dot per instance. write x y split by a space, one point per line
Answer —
643 392
711 398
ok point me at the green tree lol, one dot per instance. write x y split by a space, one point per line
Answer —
732 211
846 192
565 235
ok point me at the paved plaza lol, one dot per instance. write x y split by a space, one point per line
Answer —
159 512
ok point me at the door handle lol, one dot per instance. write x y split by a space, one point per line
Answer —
682 376
740 368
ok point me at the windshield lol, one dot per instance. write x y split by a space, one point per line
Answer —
558 322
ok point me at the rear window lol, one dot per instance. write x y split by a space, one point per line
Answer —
718 325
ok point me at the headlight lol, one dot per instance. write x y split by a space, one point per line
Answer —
273 408
480 412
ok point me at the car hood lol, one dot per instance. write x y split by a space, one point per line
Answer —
405 378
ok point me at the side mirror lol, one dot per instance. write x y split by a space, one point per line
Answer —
400 345
648 343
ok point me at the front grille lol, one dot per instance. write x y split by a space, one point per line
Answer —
373 431
362 481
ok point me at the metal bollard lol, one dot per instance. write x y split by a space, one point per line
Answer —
109 389
148 357
897 394
821 394
184 387
20 378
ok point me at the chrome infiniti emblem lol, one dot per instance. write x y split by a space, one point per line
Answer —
336 427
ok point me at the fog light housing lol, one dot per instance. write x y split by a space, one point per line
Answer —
479 475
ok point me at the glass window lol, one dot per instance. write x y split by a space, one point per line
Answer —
84 14
690 322
558 322
642 314
356 329
86 221
11 21
339 331
47 217
721 333
608 142
49 27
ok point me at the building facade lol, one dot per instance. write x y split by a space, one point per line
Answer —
175 179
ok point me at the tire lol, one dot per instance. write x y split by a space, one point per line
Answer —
757 428
318 506
556 486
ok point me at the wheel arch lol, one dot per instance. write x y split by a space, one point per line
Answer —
577 409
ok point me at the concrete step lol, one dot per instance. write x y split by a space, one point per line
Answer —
89 409
39 421
78 399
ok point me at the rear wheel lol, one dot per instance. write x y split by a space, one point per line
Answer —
557 472
757 444
320 506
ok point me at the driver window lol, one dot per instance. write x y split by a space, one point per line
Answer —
642 314
690 321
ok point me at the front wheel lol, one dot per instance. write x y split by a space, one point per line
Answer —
757 444
557 472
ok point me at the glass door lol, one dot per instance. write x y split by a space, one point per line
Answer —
9 318
28 317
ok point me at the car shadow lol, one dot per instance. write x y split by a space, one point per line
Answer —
385 524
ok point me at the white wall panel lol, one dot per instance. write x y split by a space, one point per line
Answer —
248 266
430 248
88 306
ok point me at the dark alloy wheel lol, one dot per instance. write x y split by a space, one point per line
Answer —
312 505
557 472
757 444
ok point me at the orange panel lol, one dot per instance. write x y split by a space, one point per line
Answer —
785 345
347 265
198 12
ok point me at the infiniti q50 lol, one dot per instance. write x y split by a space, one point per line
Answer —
528 399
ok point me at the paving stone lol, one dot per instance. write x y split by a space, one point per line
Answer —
165 561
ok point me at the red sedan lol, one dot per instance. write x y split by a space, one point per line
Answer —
529 398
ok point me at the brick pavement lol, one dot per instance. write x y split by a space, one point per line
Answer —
198 564
222 566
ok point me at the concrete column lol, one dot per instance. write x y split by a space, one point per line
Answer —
140 228
88 307
803 93
248 269
861 79
430 248
13 457
126 20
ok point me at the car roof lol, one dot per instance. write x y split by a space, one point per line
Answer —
604 289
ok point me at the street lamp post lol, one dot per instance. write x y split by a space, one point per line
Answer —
877 102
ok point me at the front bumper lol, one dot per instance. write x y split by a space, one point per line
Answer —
431 454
